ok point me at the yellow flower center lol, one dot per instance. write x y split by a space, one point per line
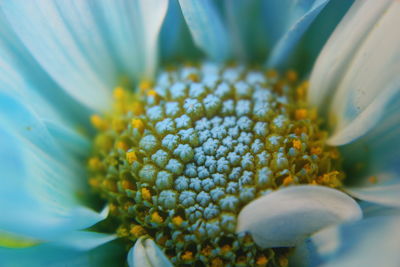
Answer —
178 159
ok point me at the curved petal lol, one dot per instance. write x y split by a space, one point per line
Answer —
207 28
40 183
132 29
145 253
336 55
286 217
370 242
286 43
110 254
84 240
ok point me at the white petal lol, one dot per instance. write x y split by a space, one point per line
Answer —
206 26
286 217
146 253
386 194
335 57
370 242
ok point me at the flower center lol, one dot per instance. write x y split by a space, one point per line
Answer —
179 159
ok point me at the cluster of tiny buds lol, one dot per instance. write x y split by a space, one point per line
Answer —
178 159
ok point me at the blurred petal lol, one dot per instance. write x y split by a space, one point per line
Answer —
41 183
337 54
369 242
207 28
287 216
245 22
110 254
145 253
56 34
84 240
294 32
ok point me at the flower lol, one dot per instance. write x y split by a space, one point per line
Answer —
60 61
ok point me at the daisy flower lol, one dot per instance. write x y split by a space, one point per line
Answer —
204 133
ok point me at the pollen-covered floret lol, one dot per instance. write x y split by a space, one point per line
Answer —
183 165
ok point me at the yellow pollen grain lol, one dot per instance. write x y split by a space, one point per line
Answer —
131 156
187 255
226 248
291 76
177 220
297 144
137 230
110 185
152 93
137 124
373 179
122 145
155 217
112 208
119 93
98 122
217 262
301 114
94 163
316 150
262 260
272 73
206 251
94 182
146 195
137 108
193 77
288 180
118 125
145 85
127 185
283 262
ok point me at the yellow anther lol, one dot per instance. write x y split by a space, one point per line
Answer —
335 155
112 207
110 185
131 156
145 85
226 248
291 76
137 124
373 179
119 93
187 256
288 180
193 77
316 150
94 163
217 262
137 231
155 217
118 125
152 93
301 114
122 145
177 220
98 122
272 73
127 185
122 232
146 195
206 251
283 262
301 90
297 144
262 260
94 182
136 108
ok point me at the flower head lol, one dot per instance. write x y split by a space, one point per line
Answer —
222 156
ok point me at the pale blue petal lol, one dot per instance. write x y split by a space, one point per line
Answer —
22 77
132 28
245 22
145 253
207 28
370 242
283 48
40 182
288 216
84 240
175 39
63 37
110 254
